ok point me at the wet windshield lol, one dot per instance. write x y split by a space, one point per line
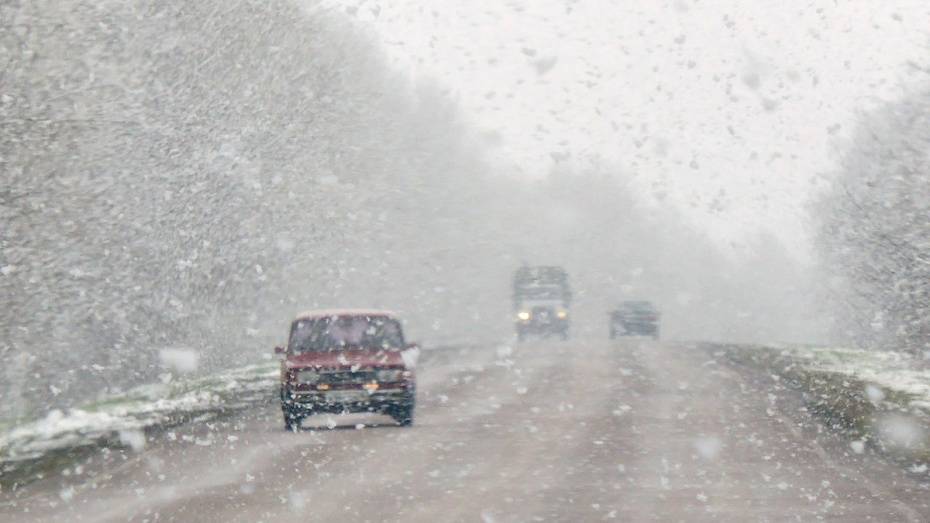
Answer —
489 261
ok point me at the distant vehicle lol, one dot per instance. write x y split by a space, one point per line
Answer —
347 361
634 318
541 301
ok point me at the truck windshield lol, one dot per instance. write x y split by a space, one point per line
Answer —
638 306
542 292
342 332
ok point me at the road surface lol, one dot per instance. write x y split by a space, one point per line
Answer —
543 431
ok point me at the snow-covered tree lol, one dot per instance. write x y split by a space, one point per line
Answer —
175 173
874 231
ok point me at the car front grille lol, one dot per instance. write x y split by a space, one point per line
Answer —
542 313
346 377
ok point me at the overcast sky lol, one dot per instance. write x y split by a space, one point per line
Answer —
731 110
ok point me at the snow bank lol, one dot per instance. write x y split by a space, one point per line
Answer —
122 420
879 398
894 371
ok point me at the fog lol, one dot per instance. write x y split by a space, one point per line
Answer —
195 178
183 176
733 112
189 176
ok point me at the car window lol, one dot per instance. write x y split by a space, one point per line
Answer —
337 333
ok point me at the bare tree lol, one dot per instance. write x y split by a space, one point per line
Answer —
874 225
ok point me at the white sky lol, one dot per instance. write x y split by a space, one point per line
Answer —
731 110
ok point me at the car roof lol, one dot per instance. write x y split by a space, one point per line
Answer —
329 313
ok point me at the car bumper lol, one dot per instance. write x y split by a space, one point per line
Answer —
346 400
636 328
552 326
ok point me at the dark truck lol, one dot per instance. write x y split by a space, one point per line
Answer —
541 302
634 318
347 361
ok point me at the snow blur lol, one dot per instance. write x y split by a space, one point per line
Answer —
166 191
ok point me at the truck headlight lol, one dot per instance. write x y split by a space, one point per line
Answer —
308 376
562 314
523 315
389 376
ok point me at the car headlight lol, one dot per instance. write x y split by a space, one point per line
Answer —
562 314
308 376
523 315
388 376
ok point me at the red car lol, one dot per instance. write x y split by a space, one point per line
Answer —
347 361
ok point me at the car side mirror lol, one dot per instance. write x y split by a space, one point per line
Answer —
410 355
280 350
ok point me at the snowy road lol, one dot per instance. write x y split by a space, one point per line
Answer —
575 431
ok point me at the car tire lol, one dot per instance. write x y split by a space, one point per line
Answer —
292 421
403 415
406 418
403 412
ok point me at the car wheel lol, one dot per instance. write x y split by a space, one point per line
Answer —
406 420
292 422
403 413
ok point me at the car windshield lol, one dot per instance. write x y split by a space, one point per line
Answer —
342 332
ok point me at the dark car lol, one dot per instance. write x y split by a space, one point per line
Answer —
634 318
347 361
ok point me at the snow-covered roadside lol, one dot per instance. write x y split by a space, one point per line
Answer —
898 372
880 399
119 418
893 371
29 448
